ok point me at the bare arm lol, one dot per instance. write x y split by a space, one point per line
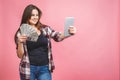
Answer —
20 49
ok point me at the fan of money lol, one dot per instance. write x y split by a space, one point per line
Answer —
29 31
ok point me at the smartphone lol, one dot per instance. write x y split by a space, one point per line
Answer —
69 21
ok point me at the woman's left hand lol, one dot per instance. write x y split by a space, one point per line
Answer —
72 30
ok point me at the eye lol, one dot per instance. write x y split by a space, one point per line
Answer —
36 14
32 14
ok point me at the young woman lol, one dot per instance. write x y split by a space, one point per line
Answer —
36 57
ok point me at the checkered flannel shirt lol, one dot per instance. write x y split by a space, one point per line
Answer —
24 66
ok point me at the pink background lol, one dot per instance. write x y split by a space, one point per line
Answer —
92 54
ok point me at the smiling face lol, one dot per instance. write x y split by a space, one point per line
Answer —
34 17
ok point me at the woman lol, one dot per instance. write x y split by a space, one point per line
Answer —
36 57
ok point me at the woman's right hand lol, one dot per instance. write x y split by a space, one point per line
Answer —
22 38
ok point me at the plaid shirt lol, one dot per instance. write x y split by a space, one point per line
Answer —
24 66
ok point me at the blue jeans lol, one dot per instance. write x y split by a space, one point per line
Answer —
39 73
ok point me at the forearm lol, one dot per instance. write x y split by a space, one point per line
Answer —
20 50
